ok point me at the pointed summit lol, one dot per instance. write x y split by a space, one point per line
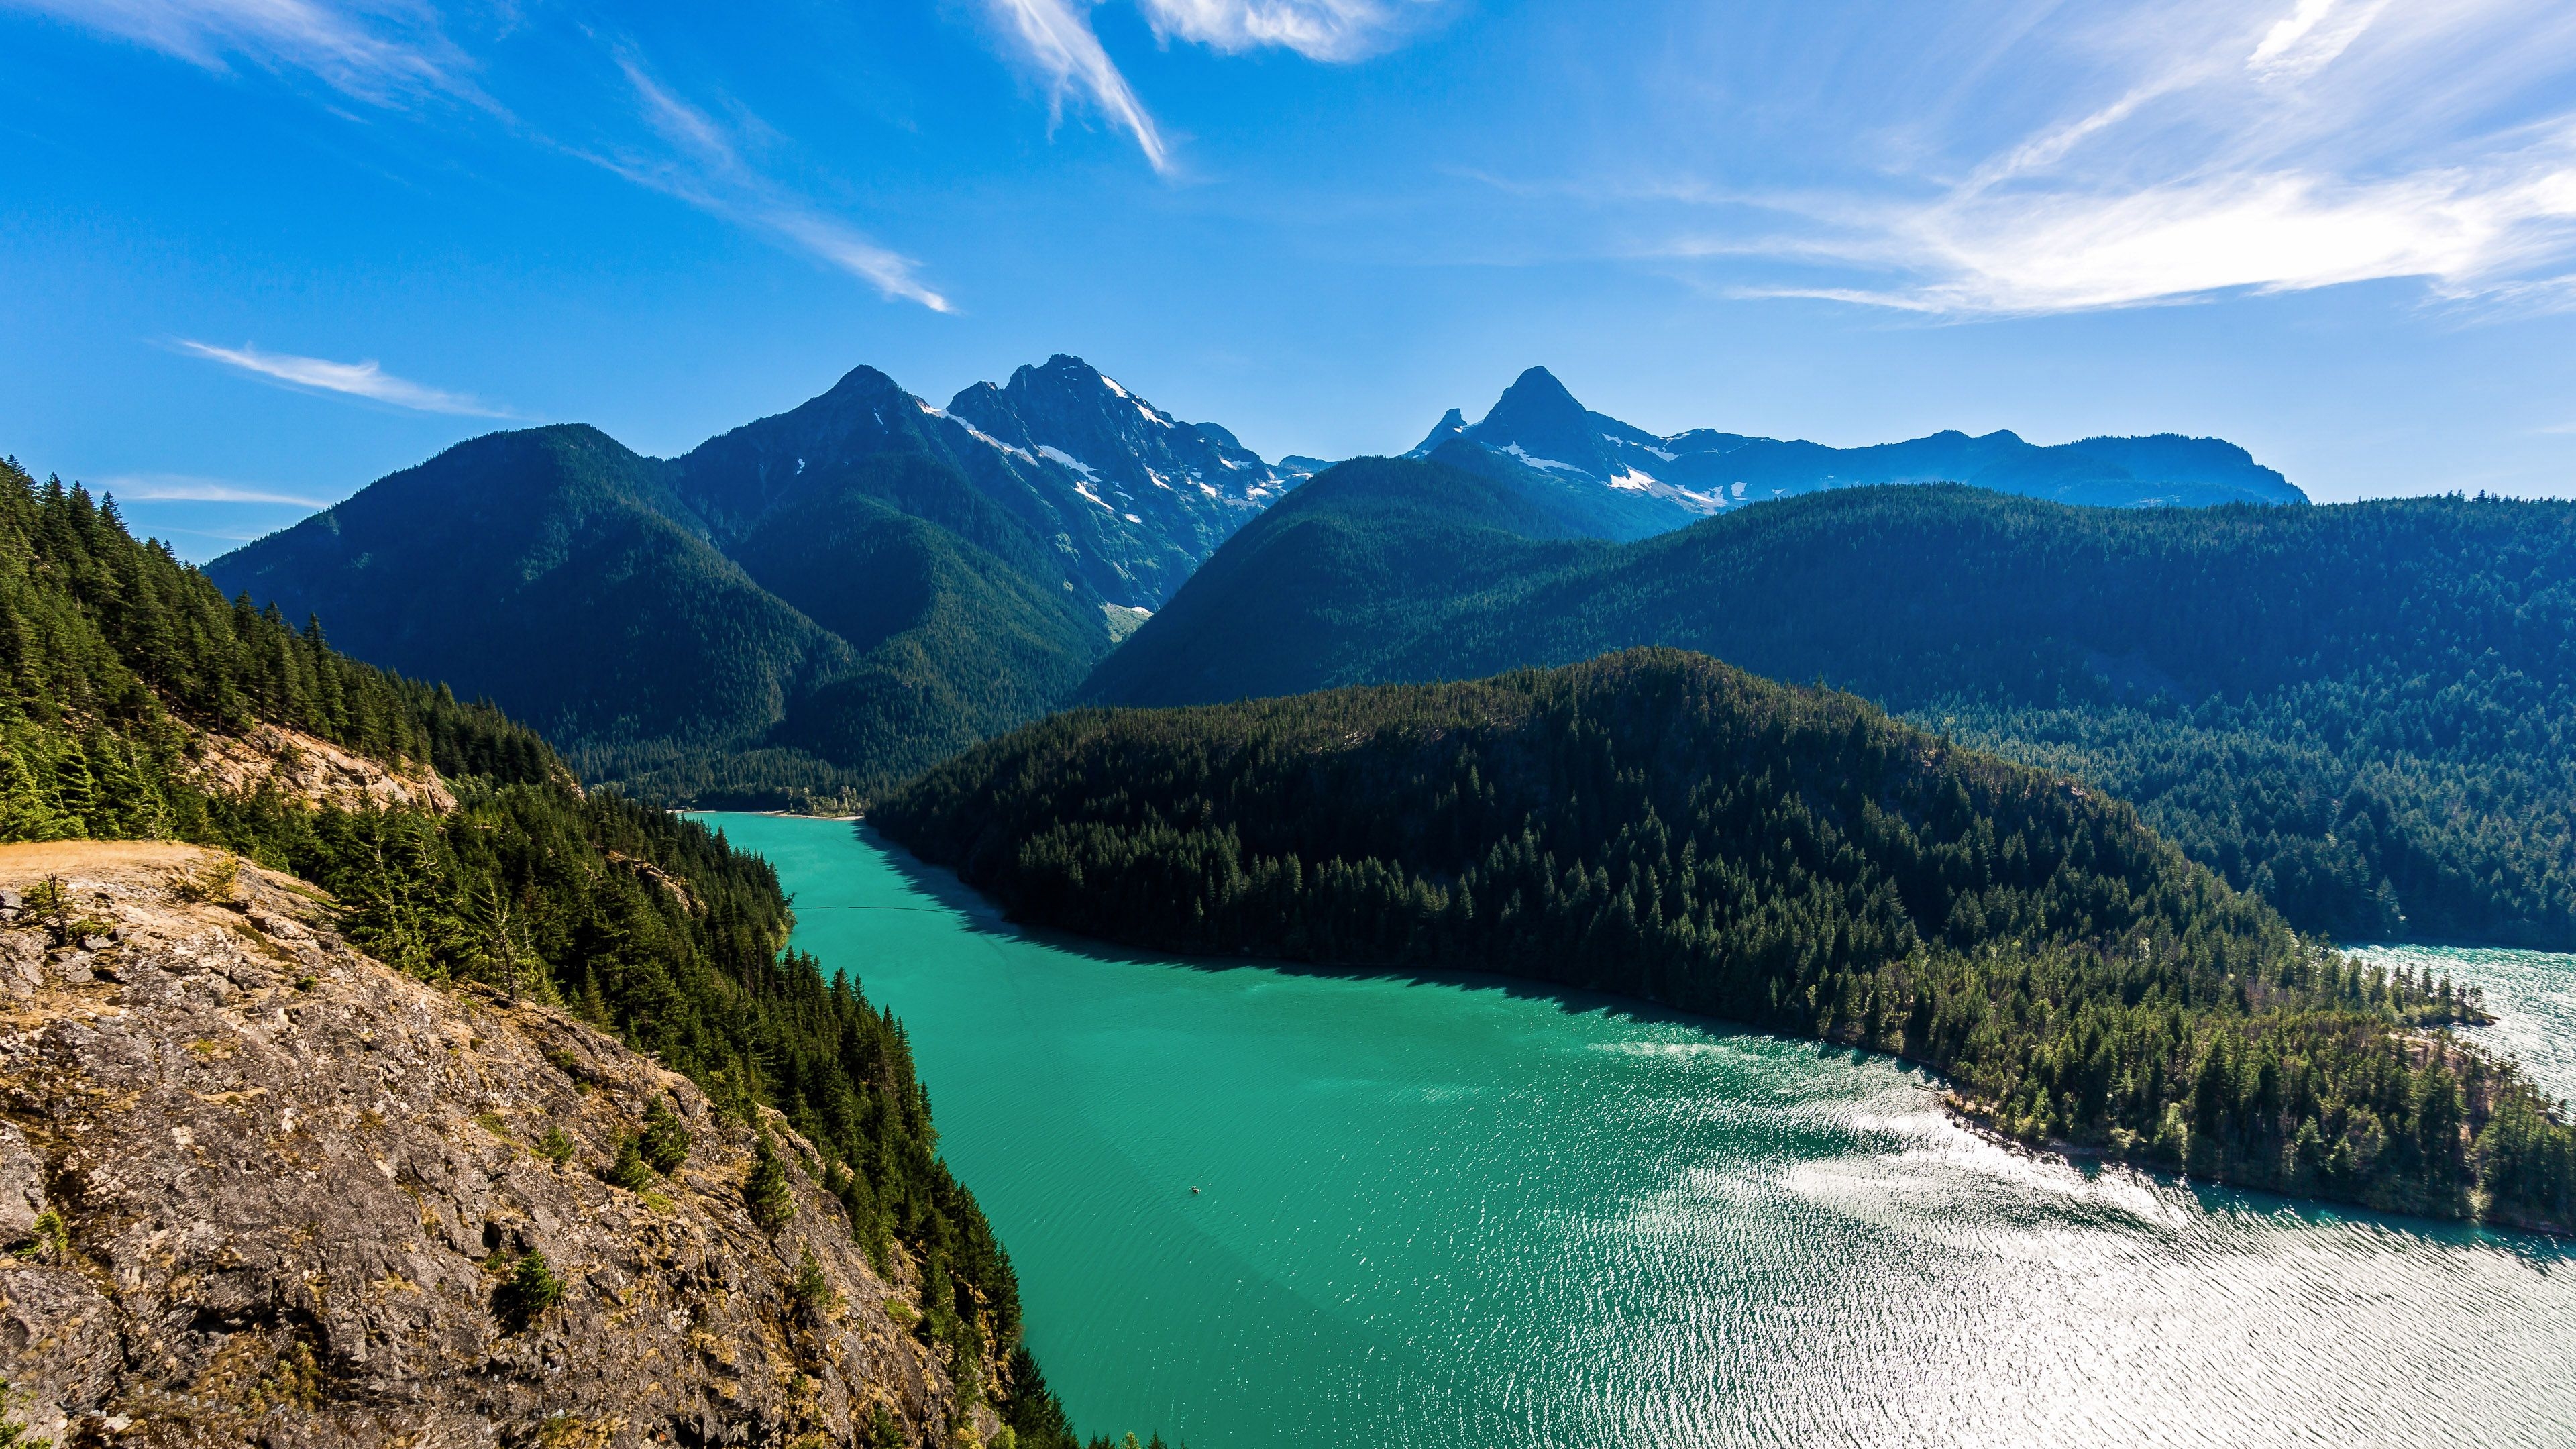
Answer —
1179 488
1451 424
1539 422
864 379
1533 396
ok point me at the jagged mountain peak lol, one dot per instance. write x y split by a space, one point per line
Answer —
1063 382
1451 424
1540 436
1535 394
1190 484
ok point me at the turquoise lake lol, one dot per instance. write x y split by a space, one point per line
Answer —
1455 1213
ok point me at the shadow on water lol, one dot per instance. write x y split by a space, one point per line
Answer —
984 918
981 916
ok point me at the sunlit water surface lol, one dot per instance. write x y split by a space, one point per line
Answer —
1455 1214
2531 993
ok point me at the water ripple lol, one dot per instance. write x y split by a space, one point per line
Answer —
1438 1216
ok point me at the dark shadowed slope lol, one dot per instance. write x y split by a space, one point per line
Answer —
1314 590
554 571
799 611
2312 701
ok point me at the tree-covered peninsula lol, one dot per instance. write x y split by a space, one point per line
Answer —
1658 824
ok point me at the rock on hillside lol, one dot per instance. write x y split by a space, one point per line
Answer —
262 1189
313 770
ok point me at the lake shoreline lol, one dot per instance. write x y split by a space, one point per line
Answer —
1470 1211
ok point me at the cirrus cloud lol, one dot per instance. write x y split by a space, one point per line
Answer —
1333 30
190 488
1055 39
2331 142
702 163
366 379
380 51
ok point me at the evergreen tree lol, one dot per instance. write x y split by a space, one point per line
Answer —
1660 825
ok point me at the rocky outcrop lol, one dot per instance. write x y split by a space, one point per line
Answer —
258 1188
314 770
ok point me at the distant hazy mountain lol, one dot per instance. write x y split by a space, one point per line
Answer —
2357 709
1633 483
813 603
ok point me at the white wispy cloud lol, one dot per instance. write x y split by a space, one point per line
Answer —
704 165
189 488
393 52
2308 39
1315 29
2327 142
381 51
2465 230
1055 39
354 379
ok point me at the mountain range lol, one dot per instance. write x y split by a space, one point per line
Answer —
814 605
2356 709
807 605
1624 483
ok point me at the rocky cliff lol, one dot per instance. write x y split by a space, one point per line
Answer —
258 1188
313 770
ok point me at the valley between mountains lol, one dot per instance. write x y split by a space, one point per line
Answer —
816 605
357 862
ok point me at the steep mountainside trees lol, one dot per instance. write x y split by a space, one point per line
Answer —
1658 824
122 662
2358 710
797 612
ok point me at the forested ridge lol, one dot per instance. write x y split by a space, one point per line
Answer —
120 659
880 615
1658 824
795 613
2360 711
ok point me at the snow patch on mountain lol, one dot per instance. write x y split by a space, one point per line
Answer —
1050 450
1517 451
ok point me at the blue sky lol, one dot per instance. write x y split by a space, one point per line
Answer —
259 252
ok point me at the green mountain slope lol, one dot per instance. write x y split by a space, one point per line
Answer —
1314 590
2358 710
958 644
1659 824
122 665
549 570
878 613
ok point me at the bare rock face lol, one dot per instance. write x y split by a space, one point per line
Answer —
314 770
257 1188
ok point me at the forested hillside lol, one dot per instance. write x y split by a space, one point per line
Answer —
2359 711
858 632
1315 591
795 613
1661 825
124 664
